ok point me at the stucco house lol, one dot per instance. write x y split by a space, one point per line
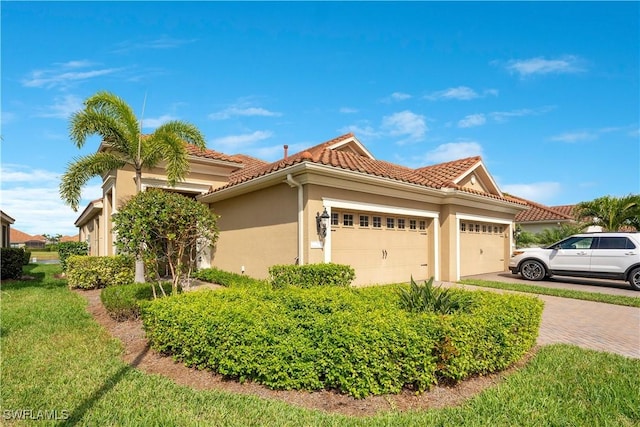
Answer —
6 222
540 217
335 202
20 239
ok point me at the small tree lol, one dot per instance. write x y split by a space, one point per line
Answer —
552 235
611 213
164 226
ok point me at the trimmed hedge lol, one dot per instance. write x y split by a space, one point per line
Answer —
123 302
225 278
27 257
92 272
67 249
11 260
310 275
357 341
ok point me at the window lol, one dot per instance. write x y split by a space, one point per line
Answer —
423 225
401 223
334 218
463 226
377 222
576 243
347 220
501 229
391 222
364 220
484 228
495 229
615 243
477 228
412 224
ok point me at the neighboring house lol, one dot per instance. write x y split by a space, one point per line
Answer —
6 221
540 217
90 224
20 239
65 239
388 221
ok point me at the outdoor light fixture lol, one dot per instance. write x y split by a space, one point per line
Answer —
321 223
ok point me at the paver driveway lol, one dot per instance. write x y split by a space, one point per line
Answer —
593 325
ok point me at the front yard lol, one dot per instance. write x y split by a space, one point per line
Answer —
59 365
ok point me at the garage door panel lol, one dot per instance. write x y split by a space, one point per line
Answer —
481 251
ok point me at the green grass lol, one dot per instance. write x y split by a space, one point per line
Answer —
44 255
55 357
565 293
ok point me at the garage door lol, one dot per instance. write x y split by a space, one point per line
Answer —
381 248
482 248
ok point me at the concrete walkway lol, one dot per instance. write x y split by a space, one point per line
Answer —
587 324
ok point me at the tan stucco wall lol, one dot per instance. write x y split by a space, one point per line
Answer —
257 230
91 232
5 234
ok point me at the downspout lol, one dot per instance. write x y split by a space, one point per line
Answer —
294 183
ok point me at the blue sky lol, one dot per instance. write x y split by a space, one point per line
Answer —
546 92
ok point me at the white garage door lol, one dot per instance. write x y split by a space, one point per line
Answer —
381 248
482 247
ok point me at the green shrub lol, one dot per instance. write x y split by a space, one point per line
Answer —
67 249
27 257
225 278
92 272
12 260
123 302
418 299
310 275
356 341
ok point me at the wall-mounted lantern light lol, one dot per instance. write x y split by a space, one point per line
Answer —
322 222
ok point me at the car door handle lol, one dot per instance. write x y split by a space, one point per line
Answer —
630 253
581 253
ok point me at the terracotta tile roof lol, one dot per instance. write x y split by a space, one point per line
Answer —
541 213
436 176
18 236
210 154
75 238
251 165
564 209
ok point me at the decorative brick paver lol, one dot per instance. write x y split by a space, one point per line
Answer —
593 325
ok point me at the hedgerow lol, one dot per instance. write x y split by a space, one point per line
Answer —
92 272
309 275
357 341
68 249
123 302
225 278
11 261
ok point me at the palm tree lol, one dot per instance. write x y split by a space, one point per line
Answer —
611 213
110 117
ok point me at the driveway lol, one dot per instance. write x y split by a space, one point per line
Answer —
587 324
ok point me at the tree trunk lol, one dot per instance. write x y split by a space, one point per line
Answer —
139 277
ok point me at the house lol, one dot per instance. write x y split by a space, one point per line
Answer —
540 217
335 202
21 239
6 221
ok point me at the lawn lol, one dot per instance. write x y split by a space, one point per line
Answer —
58 362
44 255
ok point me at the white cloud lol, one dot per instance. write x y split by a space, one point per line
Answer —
461 93
564 65
347 110
63 107
361 130
574 137
235 142
31 196
159 43
59 77
405 124
453 151
472 120
503 116
154 122
541 192
237 110
396 97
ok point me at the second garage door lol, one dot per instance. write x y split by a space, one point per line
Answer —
482 248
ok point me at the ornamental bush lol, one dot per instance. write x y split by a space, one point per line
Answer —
123 302
11 260
92 272
67 249
357 341
225 278
309 275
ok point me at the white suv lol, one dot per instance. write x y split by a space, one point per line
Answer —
597 255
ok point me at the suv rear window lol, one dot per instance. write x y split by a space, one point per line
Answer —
615 243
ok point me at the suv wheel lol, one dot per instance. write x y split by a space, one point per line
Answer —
634 279
534 270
